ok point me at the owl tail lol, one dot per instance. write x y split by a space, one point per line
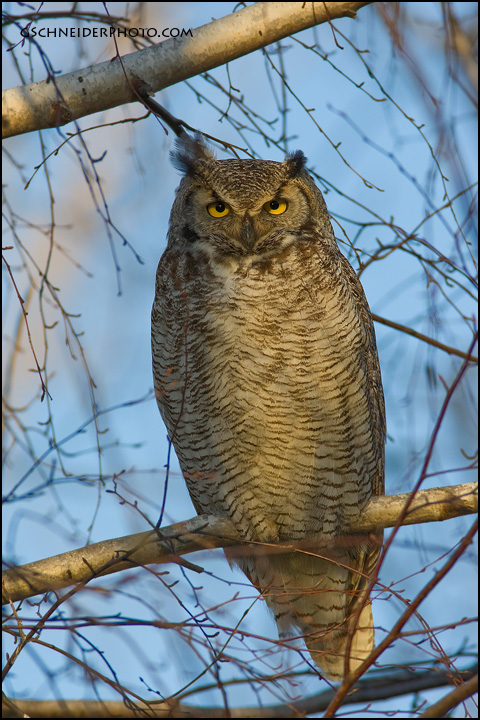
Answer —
319 600
328 651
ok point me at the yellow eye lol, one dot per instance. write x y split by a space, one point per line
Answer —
218 209
275 207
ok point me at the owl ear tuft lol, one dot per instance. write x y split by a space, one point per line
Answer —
188 151
294 163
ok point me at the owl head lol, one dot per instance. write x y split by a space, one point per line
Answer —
243 208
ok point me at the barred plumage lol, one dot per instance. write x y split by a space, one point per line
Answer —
267 377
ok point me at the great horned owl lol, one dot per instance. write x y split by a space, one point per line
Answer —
267 377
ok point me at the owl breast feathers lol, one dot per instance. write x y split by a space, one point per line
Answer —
267 378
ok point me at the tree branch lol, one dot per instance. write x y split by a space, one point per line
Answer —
431 341
442 708
371 689
59 100
203 532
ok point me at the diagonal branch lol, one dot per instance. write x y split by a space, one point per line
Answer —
57 101
461 693
431 341
170 543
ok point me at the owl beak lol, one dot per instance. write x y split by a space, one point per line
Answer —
247 237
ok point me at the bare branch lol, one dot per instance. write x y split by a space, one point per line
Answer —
203 532
425 338
369 689
442 708
57 101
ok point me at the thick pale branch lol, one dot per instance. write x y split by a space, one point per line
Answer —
57 101
204 531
